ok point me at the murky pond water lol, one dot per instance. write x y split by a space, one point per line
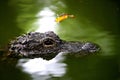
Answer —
95 21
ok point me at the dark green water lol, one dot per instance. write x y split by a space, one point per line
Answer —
95 20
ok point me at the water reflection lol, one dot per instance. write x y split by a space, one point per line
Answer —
43 68
47 20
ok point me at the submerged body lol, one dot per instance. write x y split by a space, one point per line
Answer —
47 45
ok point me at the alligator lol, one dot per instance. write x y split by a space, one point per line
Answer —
47 46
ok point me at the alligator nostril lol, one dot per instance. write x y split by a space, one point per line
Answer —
48 42
91 47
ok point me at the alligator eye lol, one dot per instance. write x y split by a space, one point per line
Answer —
48 42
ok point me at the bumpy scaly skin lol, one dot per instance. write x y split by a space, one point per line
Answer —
47 45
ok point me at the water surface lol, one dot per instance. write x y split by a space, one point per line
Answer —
95 21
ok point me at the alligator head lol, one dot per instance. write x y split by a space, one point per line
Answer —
47 45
